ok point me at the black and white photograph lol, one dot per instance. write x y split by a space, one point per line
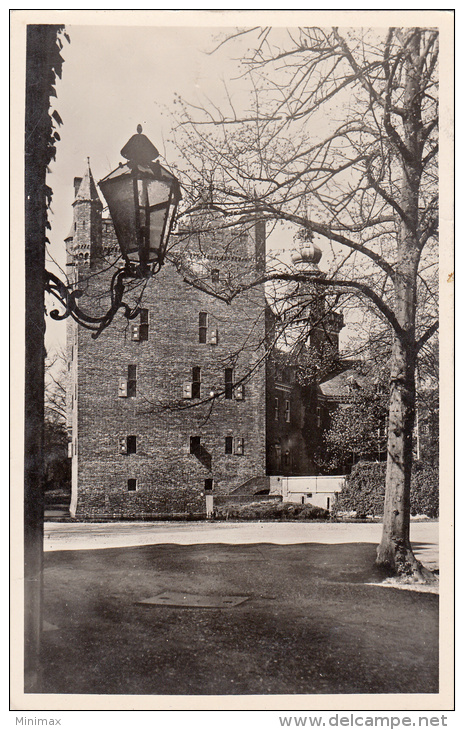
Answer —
236 354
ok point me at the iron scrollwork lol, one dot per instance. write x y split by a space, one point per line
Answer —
67 296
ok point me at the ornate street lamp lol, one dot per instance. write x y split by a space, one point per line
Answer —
142 198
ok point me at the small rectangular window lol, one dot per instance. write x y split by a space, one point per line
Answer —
287 411
229 444
196 382
208 485
131 381
215 275
239 446
131 444
144 324
276 409
319 417
240 392
132 485
195 444
228 382
202 327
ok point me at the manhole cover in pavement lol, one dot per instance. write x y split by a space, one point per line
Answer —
174 598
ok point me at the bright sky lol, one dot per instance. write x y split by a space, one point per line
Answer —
113 79
117 76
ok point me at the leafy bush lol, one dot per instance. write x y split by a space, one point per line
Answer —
270 511
424 490
365 490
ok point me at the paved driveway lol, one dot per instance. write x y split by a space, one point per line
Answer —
92 536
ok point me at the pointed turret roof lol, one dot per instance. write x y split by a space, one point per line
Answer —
87 189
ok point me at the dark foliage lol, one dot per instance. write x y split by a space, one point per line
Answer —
57 464
364 492
271 511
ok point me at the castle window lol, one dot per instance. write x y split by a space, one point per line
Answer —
240 392
195 444
140 331
208 485
287 411
215 276
319 417
239 446
132 485
131 381
196 382
143 324
229 444
228 382
131 444
276 409
202 327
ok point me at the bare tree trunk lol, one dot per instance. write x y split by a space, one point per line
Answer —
395 552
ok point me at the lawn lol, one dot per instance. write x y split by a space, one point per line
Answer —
311 623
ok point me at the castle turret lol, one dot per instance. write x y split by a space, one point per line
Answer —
85 239
326 325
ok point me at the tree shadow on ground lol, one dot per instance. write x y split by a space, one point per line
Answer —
310 625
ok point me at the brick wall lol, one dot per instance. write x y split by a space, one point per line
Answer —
169 479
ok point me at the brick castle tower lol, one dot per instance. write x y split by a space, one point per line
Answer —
146 438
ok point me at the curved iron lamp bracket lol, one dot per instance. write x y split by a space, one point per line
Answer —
68 299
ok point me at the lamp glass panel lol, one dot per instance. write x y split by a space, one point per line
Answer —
119 195
157 228
157 192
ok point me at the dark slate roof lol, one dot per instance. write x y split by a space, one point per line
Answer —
87 189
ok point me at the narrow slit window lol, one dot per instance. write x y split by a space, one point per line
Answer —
132 444
195 444
202 327
131 381
196 382
287 411
229 441
143 326
228 382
